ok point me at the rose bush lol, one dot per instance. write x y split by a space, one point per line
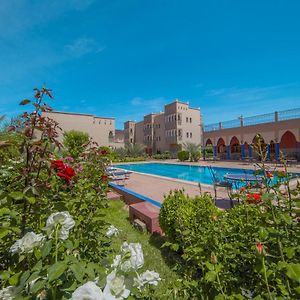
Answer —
250 251
52 234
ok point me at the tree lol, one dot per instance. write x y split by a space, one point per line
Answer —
194 150
74 141
135 150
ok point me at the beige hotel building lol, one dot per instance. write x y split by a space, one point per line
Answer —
100 129
168 130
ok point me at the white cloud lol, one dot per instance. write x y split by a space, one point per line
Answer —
83 46
229 103
152 105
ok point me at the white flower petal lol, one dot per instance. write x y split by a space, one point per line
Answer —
112 230
88 291
26 244
64 219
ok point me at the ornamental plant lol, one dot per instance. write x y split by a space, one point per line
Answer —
248 252
52 208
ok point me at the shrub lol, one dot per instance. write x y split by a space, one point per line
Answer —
165 155
183 155
251 249
74 141
194 151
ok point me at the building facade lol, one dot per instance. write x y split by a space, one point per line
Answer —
100 129
168 130
236 139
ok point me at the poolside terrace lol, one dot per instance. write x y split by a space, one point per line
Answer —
156 187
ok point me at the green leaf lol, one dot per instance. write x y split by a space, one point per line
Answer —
38 285
23 278
31 200
90 271
293 272
78 271
37 253
46 249
16 195
38 266
4 232
13 280
56 270
210 276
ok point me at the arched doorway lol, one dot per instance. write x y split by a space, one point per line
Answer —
246 150
235 148
209 149
221 149
259 147
272 150
288 145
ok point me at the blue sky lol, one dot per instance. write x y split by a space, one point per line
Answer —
126 58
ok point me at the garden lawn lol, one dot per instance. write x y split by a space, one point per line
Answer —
155 259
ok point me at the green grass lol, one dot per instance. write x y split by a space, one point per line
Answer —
155 259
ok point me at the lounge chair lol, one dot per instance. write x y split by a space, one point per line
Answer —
218 182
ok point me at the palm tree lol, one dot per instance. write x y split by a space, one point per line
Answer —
135 150
194 150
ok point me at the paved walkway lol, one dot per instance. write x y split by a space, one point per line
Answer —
156 187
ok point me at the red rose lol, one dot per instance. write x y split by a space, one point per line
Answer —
253 198
269 175
242 189
58 164
104 177
104 152
64 176
260 249
69 171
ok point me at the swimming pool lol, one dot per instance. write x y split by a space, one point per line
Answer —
184 172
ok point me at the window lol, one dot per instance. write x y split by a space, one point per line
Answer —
190 120
110 122
187 134
131 140
100 122
191 135
187 119
178 117
131 131
104 122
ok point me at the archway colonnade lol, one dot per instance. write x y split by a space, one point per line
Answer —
237 148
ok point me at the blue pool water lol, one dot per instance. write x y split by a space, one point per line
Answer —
185 172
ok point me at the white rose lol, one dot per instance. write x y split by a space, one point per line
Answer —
88 291
117 261
64 219
27 243
112 230
136 259
8 293
148 277
115 288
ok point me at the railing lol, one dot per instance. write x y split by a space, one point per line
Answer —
289 114
259 119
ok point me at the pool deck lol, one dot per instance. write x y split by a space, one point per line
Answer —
156 187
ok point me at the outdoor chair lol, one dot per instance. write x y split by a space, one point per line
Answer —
218 182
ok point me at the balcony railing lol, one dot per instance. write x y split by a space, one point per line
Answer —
259 119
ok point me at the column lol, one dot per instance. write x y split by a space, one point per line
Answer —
277 151
243 151
268 152
215 152
228 152
250 151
